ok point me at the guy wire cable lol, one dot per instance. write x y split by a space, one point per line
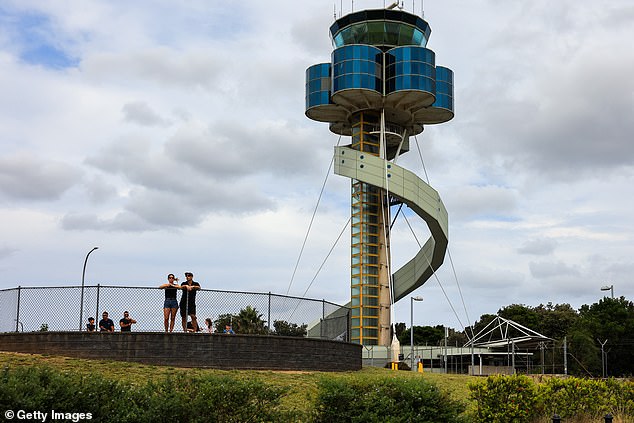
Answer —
310 225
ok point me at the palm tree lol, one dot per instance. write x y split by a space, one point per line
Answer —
249 321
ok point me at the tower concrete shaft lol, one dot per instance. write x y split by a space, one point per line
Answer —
382 86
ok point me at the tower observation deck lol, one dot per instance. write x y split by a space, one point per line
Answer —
382 86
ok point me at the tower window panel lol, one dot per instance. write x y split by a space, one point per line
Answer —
370 270
375 32
370 311
373 229
371 249
356 270
356 260
356 66
372 218
347 35
356 312
391 33
355 301
355 291
356 280
368 208
371 301
370 280
370 332
418 38
368 290
371 239
370 260
355 333
406 35
368 321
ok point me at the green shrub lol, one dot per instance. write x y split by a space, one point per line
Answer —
183 399
383 400
519 399
502 399
575 397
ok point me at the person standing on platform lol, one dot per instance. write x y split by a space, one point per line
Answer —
126 322
106 324
188 301
170 305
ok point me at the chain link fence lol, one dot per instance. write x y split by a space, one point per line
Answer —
30 309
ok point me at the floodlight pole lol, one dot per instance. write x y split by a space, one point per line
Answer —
609 288
411 328
81 301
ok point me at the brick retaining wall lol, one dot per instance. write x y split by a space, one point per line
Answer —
193 350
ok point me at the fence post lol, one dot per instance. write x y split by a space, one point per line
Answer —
608 418
17 311
269 314
97 311
556 418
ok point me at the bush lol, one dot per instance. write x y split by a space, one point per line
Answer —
183 399
519 399
575 397
502 399
383 400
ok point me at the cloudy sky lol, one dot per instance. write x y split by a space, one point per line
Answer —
174 138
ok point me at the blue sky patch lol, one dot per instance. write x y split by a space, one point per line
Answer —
33 38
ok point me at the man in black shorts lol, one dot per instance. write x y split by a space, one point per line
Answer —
188 300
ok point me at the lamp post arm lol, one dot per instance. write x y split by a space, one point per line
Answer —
81 301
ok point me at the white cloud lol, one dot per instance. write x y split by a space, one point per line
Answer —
538 247
27 177
141 113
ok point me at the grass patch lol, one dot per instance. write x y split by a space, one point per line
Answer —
301 387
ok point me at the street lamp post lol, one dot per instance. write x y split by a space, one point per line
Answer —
411 327
81 305
608 288
603 366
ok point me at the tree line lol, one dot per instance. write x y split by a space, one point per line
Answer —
610 322
250 321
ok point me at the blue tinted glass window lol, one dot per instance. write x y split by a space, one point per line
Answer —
338 40
444 74
348 35
391 33
417 37
405 35
376 31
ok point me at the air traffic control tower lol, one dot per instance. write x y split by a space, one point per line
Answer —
381 87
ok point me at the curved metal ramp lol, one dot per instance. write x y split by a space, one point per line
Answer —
418 195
